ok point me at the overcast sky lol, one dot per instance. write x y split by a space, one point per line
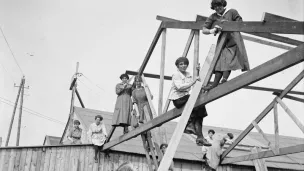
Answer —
109 37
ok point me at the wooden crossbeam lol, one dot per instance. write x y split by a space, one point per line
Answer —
151 48
283 27
276 128
276 91
205 75
144 140
264 113
290 97
249 38
264 70
259 164
273 17
266 154
162 72
292 116
257 127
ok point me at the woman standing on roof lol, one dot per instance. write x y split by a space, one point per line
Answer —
231 57
140 98
123 106
97 135
181 85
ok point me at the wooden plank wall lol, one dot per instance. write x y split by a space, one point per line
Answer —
76 158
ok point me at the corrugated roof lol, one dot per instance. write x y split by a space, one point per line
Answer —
188 150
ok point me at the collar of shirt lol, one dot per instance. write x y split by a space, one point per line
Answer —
182 75
225 11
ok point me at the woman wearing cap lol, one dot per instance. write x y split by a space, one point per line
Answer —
140 98
181 85
74 136
231 57
97 135
123 106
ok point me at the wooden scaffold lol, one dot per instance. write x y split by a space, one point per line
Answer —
270 24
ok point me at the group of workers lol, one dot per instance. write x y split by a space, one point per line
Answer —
231 58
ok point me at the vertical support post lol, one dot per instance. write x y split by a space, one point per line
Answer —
196 53
259 164
73 99
162 72
276 128
20 112
13 115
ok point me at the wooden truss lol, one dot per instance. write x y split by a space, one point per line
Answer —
269 24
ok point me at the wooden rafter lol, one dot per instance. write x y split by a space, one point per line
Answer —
263 114
283 27
266 154
290 97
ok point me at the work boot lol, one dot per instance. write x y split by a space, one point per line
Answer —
126 130
200 140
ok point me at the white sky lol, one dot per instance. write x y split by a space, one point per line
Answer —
109 37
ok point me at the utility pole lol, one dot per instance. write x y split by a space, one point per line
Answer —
20 112
14 111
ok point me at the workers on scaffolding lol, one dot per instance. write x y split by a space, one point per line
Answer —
74 136
182 82
233 55
123 106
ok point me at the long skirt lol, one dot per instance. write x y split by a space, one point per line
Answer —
122 111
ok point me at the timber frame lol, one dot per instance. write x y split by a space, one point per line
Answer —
270 24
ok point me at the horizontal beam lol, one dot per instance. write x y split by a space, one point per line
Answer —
269 36
151 48
148 75
253 39
265 154
273 17
289 97
269 68
283 27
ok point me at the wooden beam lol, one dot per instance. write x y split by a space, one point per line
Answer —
293 116
263 135
196 54
276 128
282 27
151 48
259 164
290 97
149 75
264 42
79 98
268 36
264 70
162 73
268 108
266 154
205 75
149 96
273 17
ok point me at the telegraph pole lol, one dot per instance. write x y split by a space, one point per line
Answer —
14 111
20 112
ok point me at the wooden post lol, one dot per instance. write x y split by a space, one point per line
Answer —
79 98
196 54
262 133
205 74
13 115
20 112
259 164
73 100
162 72
288 111
276 128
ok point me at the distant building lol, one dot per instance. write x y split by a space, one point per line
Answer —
51 140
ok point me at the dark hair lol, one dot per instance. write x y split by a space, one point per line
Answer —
127 166
124 75
162 145
76 122
99 116
215 3
181 59
230 135
211 130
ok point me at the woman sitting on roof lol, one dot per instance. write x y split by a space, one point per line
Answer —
231 57
181 86
97 135
140 98
123 106
74 136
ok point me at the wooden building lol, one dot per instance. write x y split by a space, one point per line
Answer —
188 156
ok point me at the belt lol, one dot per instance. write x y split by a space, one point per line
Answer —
78 138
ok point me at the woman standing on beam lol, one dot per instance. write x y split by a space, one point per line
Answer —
123 106
233 55
181 85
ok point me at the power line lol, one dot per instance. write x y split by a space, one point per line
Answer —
30 111
11 51
93 83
